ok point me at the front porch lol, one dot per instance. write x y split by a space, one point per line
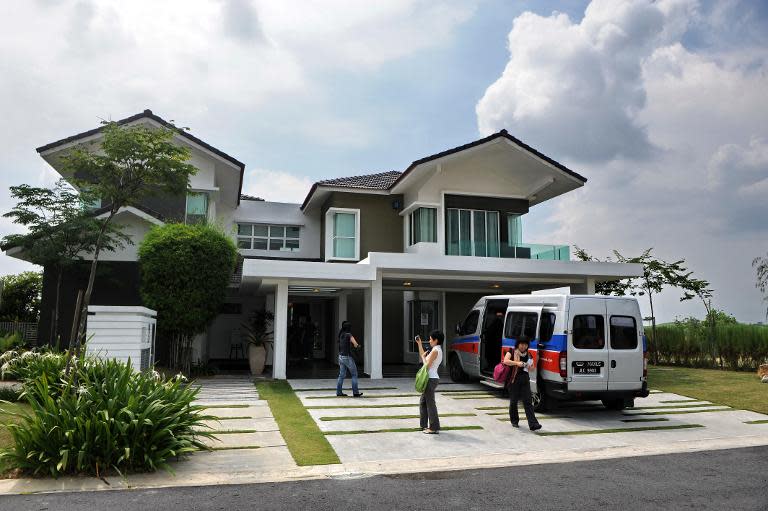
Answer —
387 297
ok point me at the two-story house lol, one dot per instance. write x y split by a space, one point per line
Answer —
396 253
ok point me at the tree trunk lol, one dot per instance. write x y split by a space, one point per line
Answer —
56 305
80 339
653 330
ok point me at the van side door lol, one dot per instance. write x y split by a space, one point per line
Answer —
587 369
625 345
523 321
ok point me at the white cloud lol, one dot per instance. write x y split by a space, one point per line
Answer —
275 185
673 140
578 86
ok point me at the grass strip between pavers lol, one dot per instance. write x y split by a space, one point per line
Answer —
698 405
492 408
480 396
305 441
617 430
398 430
234 431
361 389
681 412
761 421
233 418
332 407
227 406
459 391
648 419
538 417
363 396
374 417
235 448
680 401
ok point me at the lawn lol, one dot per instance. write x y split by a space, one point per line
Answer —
5 436
306 442
741 390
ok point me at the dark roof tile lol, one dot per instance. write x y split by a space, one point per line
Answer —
378 181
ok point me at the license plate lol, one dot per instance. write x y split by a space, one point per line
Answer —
587 366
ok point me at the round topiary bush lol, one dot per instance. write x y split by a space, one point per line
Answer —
104 416
185 271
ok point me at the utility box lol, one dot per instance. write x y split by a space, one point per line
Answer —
122 333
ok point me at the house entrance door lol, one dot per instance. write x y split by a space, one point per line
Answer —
422 317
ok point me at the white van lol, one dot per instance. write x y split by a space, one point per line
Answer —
585 346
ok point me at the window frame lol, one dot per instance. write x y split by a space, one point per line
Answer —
268 238
472 240
330 215
207 205
412 224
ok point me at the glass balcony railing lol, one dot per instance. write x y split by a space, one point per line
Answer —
518 251
536 251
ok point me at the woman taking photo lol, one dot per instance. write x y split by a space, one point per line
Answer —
430 422
520 383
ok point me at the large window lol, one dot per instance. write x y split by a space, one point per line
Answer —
268 237
520 324
342 228
547 326
422 320
589 332
197 208
472 232
623 333
423 226
514 230
469 325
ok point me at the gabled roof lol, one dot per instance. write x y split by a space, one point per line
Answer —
149 115
245 196
387 180
378 181
501 134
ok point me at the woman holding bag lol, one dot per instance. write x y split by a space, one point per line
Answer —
430 422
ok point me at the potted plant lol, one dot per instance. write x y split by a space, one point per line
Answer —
257 330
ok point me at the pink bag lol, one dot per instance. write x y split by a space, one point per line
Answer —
501 373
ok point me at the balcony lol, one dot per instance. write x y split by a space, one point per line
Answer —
518 251
536 251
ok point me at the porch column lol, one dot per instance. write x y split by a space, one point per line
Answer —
341 316
281 330
590 286
373 329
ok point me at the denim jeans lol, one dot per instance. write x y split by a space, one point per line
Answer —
346 363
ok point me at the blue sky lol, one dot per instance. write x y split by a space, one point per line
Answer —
661 105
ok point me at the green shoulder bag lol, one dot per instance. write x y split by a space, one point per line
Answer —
422 378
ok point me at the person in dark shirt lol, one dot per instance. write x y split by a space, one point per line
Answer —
346 363
519 383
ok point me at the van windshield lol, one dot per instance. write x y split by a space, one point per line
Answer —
519 324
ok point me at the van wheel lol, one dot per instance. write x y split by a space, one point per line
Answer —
540 401
614 404
456 372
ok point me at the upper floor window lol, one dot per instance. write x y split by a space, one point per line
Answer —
284 238
342 234
423 226
472 232
197 208
514 230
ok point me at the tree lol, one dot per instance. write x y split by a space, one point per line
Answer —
185 271
60 231
608 288
21 297
760 264
135 162
657 274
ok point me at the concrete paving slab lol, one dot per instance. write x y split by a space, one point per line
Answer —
260 439
261 424
253 412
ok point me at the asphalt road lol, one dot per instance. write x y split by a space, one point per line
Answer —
723 480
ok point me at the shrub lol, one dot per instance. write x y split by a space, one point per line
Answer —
9 341
31 365
112 418
733 346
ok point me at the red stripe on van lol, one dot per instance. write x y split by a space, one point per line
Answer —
550 361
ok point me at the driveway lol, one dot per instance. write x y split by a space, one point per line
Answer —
379 426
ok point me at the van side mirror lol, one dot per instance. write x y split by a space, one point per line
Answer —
458 328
